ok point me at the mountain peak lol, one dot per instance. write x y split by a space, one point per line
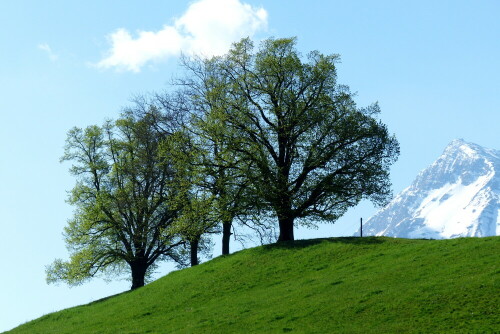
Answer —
457 142
458 145
469 149
456 196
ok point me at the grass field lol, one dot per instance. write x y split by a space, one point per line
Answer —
338 285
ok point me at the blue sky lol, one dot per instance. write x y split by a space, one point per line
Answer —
433 66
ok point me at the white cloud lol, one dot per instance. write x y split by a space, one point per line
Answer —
207 28
46 48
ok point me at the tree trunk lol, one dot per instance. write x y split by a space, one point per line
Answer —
226 236
286 229
138 274
194 251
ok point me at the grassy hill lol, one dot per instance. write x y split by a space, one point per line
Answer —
346 285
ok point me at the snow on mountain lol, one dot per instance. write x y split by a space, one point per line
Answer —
457 196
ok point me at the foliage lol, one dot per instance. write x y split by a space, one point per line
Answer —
313 152
199 210
123 198
221 174
338 285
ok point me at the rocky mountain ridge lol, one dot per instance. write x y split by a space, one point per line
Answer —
456 196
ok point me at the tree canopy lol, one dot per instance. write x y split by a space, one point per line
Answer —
314 152
203 96
124 213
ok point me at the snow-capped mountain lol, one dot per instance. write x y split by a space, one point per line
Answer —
457 196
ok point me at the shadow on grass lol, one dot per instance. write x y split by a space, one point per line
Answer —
312 242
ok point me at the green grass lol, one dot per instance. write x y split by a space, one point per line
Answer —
338 285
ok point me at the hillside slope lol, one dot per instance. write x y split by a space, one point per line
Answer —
349 285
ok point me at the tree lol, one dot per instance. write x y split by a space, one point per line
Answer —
123 217
199 212
314 152
202 95
197 219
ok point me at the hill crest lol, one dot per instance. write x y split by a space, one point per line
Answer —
350 285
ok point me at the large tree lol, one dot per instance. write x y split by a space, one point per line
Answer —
124 197
314 152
